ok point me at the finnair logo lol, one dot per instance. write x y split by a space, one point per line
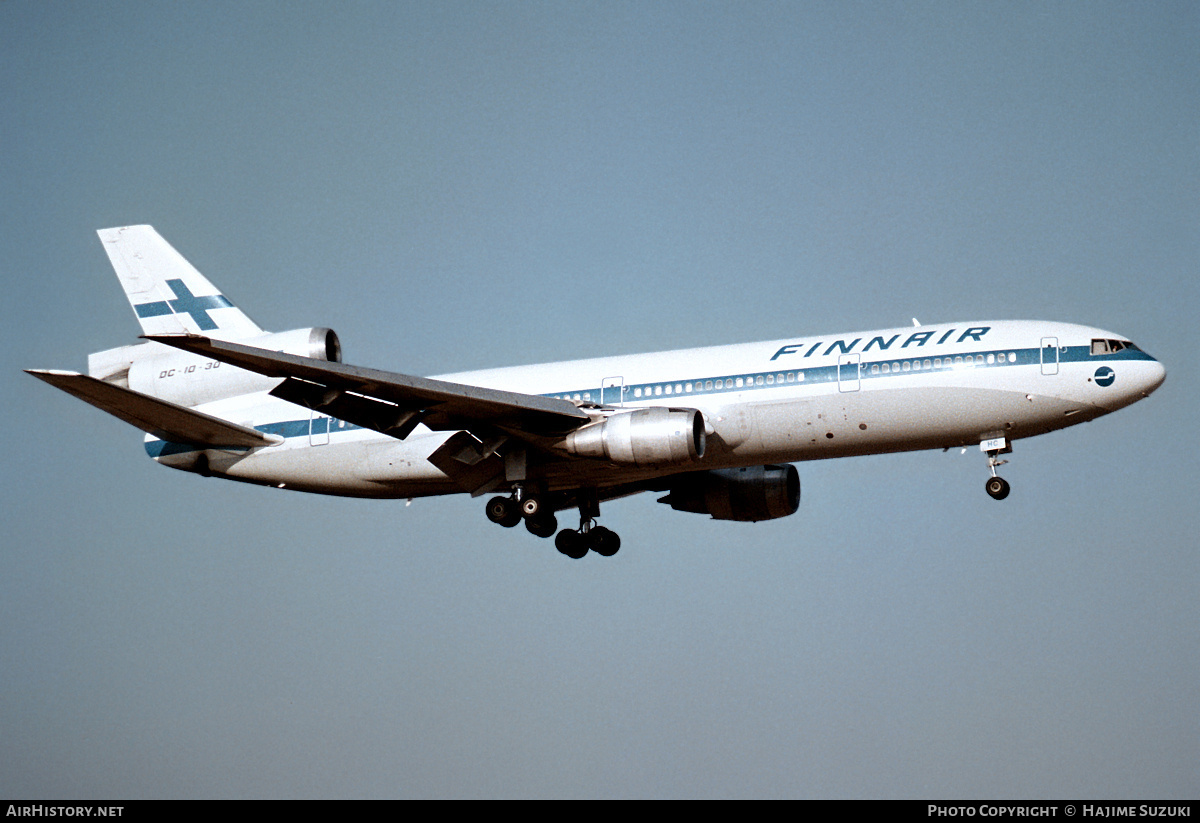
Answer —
1105 376
917 339
186 303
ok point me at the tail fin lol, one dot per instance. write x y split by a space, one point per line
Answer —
168 295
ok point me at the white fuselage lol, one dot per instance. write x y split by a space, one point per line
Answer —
781 401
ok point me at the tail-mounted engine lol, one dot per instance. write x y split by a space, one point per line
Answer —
750 494
646 437
190 379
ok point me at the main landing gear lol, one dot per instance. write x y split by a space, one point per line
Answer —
589 537
997 487
508 512
540 521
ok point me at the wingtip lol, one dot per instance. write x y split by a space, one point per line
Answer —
44 373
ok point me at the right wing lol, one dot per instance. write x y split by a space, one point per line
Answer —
391 403
164 420
485 420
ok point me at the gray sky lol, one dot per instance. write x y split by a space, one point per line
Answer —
463 185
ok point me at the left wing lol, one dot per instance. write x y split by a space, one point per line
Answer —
387 402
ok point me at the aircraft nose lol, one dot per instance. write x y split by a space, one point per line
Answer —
1156 374
1147 377
1128 382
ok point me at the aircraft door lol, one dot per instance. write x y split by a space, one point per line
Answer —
318 429
1049 355
848 366
612 390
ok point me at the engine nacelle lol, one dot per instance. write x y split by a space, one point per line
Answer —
646 437
191 379
749 495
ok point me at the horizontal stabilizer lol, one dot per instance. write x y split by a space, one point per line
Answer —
167 421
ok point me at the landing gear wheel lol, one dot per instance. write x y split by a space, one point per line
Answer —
571 543
543 525
604 542
530 506
503 510
998 487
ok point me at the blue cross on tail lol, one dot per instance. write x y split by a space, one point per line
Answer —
186 303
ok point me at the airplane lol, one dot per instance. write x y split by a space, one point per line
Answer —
717 430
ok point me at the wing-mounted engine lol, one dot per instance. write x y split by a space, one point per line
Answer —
192 379
750 494
656 436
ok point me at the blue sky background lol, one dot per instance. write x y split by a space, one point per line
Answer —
463 185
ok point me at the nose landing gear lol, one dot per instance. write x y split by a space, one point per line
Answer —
997 487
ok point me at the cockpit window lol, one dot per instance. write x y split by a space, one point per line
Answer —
1109 346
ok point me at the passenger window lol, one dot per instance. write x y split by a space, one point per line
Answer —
707 385
937 362
687 387
907 366
637 392
657 391
791 377
759 381
770 378
739 382
991 359
927 364
874 368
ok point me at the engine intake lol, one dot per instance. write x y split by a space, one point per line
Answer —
748 495
646 437
319 343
